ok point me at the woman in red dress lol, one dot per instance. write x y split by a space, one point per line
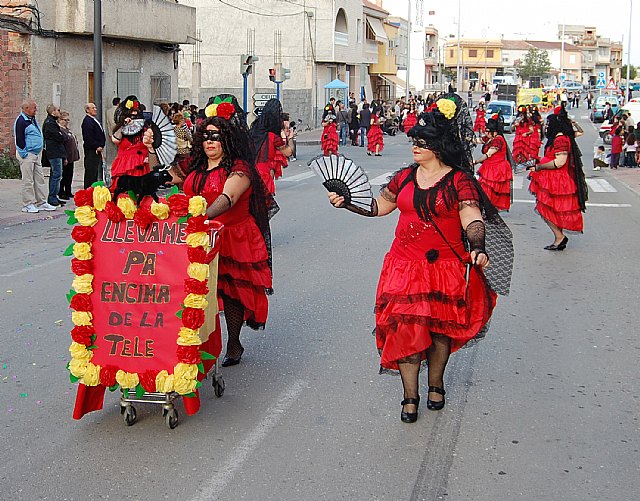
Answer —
375 140
268 141
480 125
558 182
432 296
411 119
536 137
222 171
495 174
330 137
522 151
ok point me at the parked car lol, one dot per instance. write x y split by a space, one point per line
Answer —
572 86
508 111
599 104
632 108
635 86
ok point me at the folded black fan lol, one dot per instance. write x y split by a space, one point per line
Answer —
164 136
345 178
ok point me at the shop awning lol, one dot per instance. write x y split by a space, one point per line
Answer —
378 29
397 81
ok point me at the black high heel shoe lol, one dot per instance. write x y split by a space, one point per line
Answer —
561 246
434 405
410 417
228 361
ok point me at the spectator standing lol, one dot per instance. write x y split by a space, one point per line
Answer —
342 119
354 124
470 98
54 147
616 148
29 142
629 148
364 120
72 155
589 99
184 140
93 141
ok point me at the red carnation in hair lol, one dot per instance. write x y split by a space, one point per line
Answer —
226 110
432 106
556 110
495 116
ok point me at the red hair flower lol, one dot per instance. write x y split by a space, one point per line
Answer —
83 233
193 286
80 267
108 375
114 213
81 334
83 197
143 217
81 302
189 354
226 110
192 318
556 110
197 224
197 254
495 116
148 380
179 204
432 106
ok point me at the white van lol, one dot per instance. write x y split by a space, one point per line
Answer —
632 108
503 79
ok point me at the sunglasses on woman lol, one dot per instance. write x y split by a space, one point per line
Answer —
210 135
420 143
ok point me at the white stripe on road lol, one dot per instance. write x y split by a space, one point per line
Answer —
297 177
380 180
212 489
589 204
600 185
35 266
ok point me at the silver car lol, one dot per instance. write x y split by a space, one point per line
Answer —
508 111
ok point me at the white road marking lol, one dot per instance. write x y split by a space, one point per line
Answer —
36 266
600 185
212 489
297 177
380 180
589 204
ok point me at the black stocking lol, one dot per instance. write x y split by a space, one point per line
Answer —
234 317
409 371
437 358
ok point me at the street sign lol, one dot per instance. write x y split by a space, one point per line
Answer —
601 83
563 77
257 111
611 85
261 99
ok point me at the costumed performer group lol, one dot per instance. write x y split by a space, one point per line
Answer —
558 181
432 297
526 145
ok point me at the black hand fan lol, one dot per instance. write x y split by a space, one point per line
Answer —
342 176
164 136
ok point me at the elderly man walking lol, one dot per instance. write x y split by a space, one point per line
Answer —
29 142
93 140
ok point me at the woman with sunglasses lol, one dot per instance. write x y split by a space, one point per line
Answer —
429 303
222 171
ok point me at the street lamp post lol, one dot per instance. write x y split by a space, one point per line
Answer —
486 45
408 85
629 47
458 53
97 57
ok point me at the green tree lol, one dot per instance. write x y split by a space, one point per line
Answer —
632 72
536 64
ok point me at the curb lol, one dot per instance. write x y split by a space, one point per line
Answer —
17 220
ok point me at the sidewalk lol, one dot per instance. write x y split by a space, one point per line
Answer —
309 138
629 177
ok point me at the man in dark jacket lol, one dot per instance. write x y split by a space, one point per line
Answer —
93 140
365 122
55 151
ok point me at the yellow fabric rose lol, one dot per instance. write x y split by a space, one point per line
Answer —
92 375
85 215
82 251
161 211
82 283
188 337
198 271
184 386
127 380
199 239
185 371
79 351
447 107
101 195
197 206
164 382
81 317
211 110
78 367
195 301
127 206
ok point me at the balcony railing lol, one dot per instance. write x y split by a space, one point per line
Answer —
340 38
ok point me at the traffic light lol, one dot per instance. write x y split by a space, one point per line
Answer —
246 65
272 74
286 74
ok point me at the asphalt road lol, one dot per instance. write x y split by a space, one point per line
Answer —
545 408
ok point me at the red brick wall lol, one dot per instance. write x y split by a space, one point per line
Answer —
15 78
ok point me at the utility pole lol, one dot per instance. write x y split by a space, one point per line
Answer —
629 49
408 85
458 52
97 57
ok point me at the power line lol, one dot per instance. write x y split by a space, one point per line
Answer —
260 13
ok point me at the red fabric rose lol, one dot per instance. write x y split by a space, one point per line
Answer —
81 302
83 233
143 217
197 255
80 267
226 110
114 213
192 318
179 204
193 286
189 354
148 380
81 334
197 224
108 375
83 197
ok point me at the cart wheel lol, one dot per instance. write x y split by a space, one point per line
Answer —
129 415
171 419
218 387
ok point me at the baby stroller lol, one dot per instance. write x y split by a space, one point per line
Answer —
390 126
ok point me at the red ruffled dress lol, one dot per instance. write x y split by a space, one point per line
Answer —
268 160
555 190
375 138
495 175
535 142
410 121
243 264
132 159
330 139
480 125
422 287
522 150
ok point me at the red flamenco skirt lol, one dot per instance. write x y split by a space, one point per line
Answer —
264 169
330 139
480 125
417 298
131 160
494 175
409 122
243 270
556 199
375 139
280 161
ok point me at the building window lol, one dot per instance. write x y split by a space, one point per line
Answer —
489 52
359 34
128 83
473 52
451 53
160 88
341 22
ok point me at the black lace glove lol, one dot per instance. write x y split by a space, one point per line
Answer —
220 205
476 235
372 212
